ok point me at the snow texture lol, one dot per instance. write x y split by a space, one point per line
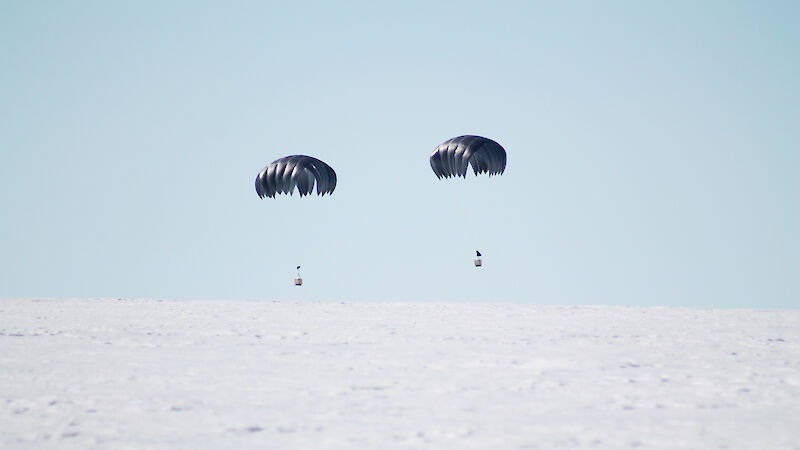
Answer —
79 374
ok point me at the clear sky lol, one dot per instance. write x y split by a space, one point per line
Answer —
653 150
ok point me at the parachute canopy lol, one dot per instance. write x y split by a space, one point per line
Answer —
283 175
452 157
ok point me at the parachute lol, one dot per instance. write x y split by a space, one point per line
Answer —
452 157
283 175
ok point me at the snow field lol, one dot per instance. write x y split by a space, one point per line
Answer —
261 374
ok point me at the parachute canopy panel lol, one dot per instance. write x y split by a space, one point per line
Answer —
303 172
452 157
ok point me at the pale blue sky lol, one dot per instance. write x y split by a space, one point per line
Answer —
652 150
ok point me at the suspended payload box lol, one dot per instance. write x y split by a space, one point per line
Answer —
299 280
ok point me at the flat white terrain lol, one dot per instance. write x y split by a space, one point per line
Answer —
284 375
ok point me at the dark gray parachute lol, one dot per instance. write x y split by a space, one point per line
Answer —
452 157
283 175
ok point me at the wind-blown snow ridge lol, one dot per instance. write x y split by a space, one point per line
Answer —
262 374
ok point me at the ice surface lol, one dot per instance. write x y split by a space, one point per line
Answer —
261 374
